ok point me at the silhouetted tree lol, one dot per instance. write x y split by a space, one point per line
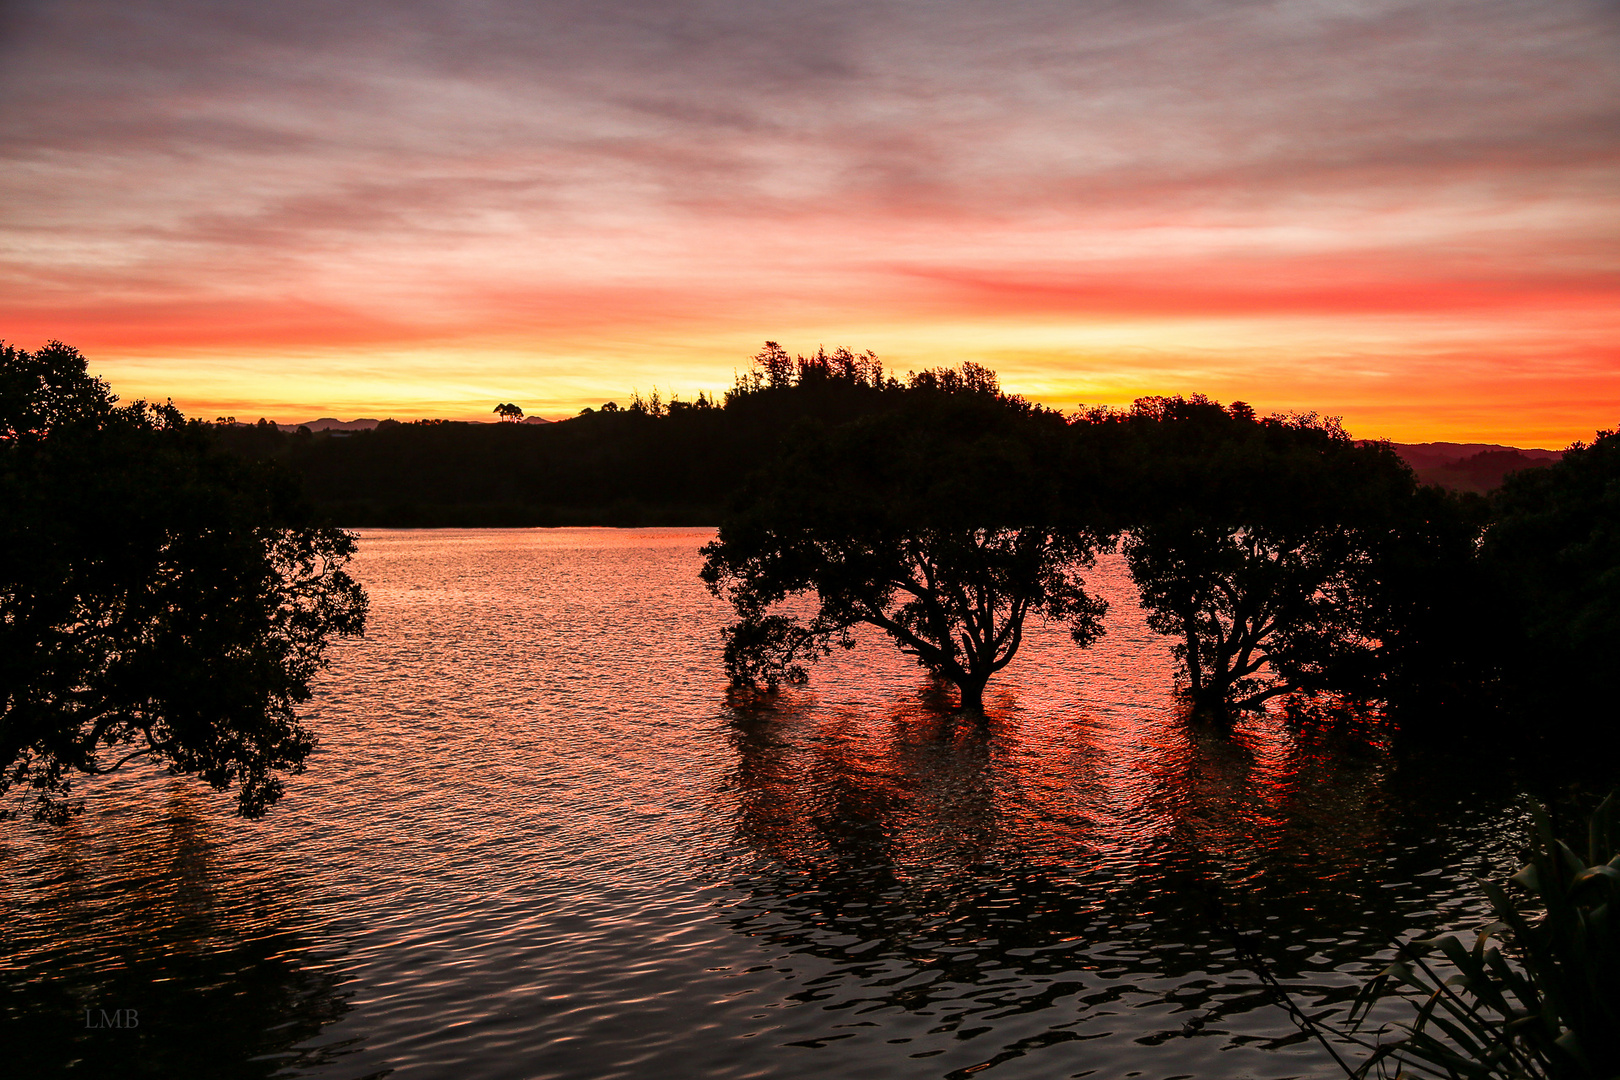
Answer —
1256 544
158 597
1554 550
509 412
934 522
663 462
1428 606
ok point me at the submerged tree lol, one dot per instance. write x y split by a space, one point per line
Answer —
1256 544
935 522
158 597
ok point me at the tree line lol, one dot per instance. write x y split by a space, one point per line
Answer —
169 588
650 461
1280 557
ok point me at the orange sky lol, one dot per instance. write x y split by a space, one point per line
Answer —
1407 214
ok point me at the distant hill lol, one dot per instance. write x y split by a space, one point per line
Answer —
327 423
1477 467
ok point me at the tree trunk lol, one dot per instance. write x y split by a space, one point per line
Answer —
972 693
1195 664
1211 705
1209 698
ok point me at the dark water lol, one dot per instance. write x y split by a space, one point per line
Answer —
539 842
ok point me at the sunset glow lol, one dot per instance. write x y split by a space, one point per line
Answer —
1407 214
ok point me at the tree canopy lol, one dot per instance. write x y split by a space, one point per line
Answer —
933 521
1255 543
1278 554
159 598
1554 551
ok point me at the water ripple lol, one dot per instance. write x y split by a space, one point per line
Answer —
537 841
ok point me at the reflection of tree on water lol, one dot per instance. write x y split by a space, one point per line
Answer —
1268 799
973 872
891 862
144 915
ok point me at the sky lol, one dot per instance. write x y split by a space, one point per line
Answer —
1403 213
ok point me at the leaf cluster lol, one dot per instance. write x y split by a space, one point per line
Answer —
1535 996
158 598
938 522
1264 547
1553 550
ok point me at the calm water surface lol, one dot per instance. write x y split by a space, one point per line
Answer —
539 841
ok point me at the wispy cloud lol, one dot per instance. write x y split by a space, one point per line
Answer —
634 177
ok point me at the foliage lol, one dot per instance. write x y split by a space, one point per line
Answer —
1431 608
774 368
1257 544
935 522
1555 550
1278 554
649 462
158 598
1535 997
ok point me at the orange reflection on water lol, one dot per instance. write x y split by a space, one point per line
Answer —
137 908
1084 770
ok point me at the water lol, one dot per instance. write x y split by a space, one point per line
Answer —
538 840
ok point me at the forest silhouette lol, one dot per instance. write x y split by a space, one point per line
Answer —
149 556
1278 555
